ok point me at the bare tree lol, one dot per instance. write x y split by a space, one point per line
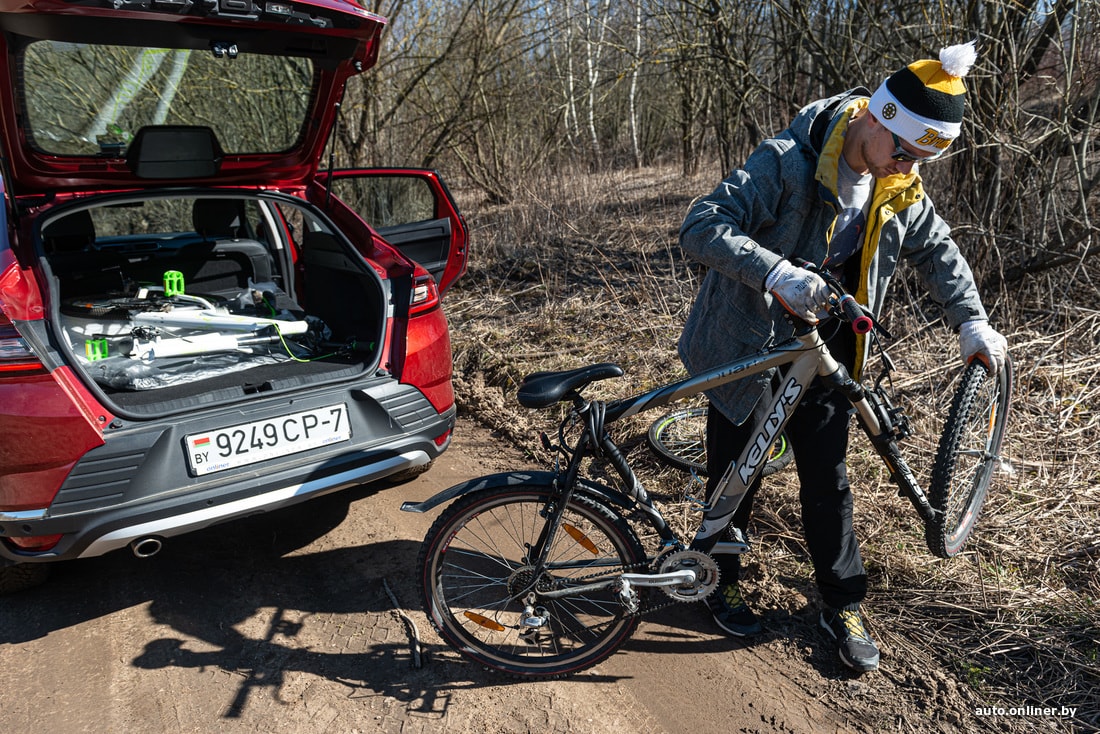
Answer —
635 70
497 88
595 35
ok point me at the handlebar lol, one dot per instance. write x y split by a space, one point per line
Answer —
854 314
844 305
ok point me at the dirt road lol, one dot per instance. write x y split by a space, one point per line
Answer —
293 622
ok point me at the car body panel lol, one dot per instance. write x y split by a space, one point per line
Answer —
45 432
138 468
346 47
88 466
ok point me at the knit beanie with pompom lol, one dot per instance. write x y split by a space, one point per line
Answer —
923 103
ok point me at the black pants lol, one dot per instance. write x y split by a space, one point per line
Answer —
818 432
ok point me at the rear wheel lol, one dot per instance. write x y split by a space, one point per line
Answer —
407 475
679 439
481 589
21 576
968 456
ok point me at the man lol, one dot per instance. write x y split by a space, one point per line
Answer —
838 188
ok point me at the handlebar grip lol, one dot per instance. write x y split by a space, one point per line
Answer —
853 312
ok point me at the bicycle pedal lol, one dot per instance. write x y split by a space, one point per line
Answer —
729 547
628 597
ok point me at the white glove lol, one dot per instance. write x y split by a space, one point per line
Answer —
977 339
802 292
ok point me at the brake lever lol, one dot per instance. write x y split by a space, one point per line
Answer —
843 305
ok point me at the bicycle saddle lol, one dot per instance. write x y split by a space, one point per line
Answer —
543 389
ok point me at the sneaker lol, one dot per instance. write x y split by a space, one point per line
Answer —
856 648
731 613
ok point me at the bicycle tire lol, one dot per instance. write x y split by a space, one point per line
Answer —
968 455
472 568
679 439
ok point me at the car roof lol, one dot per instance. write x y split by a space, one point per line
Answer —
333 39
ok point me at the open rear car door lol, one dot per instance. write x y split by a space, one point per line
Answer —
413 211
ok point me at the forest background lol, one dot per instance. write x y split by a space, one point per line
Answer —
575 133
498 93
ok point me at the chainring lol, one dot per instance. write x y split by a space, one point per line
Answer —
706 574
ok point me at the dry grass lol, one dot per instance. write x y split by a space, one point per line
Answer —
587 269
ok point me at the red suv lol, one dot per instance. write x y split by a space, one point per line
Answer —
196 323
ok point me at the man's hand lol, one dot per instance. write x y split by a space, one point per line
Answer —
977 339
802 292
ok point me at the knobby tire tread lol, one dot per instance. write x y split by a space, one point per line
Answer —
946 536
22 576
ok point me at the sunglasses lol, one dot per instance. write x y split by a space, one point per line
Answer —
901 155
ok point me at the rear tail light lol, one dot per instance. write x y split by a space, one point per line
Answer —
35 543
425 295
16 356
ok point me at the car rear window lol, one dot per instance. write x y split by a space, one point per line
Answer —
85 99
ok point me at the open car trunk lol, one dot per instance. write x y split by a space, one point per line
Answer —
171 303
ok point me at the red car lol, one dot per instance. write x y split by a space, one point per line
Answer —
199 322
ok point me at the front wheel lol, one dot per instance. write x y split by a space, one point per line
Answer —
968 455
486 596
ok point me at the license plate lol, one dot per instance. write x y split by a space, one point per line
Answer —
249 443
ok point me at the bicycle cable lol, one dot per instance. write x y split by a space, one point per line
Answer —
595 421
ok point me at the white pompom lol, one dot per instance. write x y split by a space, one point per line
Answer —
957 60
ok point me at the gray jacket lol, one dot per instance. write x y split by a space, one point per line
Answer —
782 204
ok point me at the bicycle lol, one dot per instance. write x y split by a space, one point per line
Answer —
540 574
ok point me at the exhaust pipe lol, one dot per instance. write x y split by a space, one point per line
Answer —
146 547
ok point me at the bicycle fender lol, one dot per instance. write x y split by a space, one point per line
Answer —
509 479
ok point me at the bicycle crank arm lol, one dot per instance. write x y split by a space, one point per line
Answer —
672 578
682 577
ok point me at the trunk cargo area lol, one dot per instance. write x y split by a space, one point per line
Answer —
164 321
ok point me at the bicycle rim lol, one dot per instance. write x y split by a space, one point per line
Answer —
679 439
968 456
477 583
779 457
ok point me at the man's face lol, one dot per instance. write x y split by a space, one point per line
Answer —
882 149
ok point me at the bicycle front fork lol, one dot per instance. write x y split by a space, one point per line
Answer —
883 425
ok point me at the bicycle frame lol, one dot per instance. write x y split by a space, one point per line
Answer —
808 357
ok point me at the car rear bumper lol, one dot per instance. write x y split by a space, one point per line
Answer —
125 493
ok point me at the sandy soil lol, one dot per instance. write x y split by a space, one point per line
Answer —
299 621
